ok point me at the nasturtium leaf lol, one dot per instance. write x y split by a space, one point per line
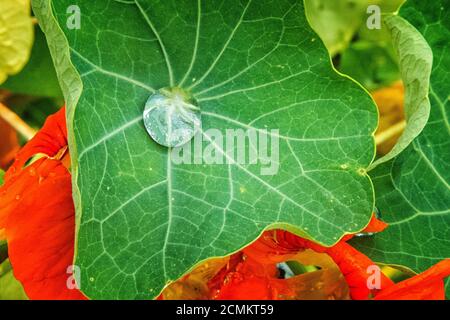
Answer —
255 66
412 189
2 173
416 60
16 36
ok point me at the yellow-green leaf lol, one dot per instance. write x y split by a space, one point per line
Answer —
10 288
16 36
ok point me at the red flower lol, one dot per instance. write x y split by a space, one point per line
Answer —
37 214
243 279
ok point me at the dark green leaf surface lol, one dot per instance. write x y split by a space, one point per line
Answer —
142 220
412 190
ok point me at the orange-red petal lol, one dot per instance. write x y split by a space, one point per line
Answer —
355 267
40 226
375 225
49 140
37 216
428 285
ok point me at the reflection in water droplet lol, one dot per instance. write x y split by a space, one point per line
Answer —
171 117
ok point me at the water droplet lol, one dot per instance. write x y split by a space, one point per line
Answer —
17 196
364 234
171 117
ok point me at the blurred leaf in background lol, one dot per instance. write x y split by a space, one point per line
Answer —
364 54
370 58
16 36
390 102
3 250
336 22
34 92
34 110
38 78
3 246
9 145
11 289
373 64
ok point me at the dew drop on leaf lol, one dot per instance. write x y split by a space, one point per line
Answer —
171 117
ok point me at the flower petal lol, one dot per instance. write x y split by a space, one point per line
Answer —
40 226
49 140
428 285
37 216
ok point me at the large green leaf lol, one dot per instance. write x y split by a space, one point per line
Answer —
143 221
412 190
